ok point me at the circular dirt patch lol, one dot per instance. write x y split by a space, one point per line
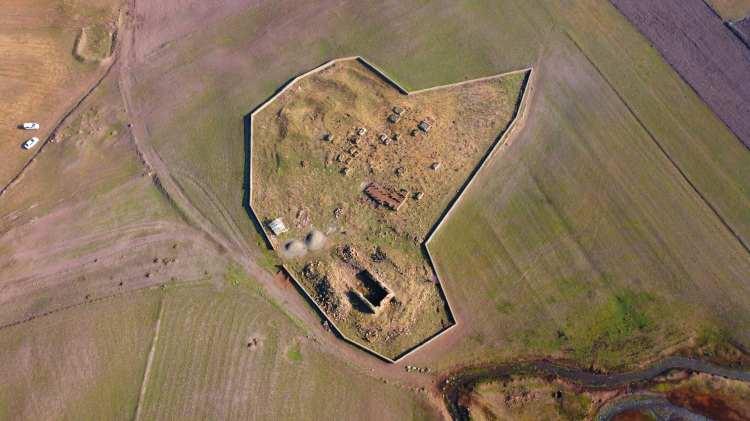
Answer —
294 248
315 240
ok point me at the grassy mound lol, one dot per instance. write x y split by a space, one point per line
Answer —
94 43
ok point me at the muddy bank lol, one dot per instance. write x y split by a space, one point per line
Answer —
640 403
459 384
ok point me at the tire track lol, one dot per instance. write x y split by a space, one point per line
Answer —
163 178
70 306
216 205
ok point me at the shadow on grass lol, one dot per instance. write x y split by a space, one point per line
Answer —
246 183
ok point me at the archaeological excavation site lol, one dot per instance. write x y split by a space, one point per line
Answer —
350 174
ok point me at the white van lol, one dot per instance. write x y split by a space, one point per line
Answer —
30 143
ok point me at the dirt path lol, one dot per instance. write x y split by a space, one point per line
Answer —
153 162
149 361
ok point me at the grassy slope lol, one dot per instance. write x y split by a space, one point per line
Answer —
94 43
591 221
203 368
601 206
83 363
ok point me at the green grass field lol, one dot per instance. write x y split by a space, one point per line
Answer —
598 219
588 208
203 367
82 363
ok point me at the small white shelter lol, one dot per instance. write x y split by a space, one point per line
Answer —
277 226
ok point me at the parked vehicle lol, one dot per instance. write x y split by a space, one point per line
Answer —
31 126
30 143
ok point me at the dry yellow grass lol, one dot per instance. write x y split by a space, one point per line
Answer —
731 9
94 43
298 176
521 399
39 76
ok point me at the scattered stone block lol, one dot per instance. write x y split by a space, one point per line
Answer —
378 255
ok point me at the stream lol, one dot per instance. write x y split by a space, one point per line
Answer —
458 384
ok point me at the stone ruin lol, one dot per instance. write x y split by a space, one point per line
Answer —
385 196
371 291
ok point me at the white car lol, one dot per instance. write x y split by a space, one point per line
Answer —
31 126
30 143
